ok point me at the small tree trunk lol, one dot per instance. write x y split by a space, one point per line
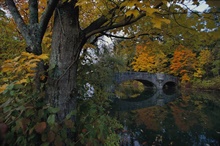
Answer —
67 42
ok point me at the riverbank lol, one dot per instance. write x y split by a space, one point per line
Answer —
206 85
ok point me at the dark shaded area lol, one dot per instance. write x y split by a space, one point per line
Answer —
147 84
170 85
192 120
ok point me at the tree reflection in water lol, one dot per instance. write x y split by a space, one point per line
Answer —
191 120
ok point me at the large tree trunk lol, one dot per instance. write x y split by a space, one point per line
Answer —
67 42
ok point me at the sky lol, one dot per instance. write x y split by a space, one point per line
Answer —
202 6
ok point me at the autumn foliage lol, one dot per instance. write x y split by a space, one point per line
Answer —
184 63
149 59
20 70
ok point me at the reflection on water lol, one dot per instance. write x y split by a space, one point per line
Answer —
192 119
157 98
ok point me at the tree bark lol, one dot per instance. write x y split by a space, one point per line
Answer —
67 42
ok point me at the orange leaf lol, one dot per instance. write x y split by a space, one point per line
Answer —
69 123
51 136
3 87
40 127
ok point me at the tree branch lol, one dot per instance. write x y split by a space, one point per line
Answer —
96 24
45 18
121 24
131 37
33 8
95 27
181 24
17 17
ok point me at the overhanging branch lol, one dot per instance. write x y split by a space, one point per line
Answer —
121 24
17 17
127 21
45 18
33 8
99 22
131 37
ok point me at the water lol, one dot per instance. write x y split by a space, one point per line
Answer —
170 118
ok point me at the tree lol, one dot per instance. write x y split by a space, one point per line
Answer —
204 66
183 63
150 58
72 29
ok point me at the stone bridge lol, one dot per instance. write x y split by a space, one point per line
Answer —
158 79
158 98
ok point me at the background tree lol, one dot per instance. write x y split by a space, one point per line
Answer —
150 58
183 63
205 60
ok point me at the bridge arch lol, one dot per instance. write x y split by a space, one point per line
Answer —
158 80
147 83
169 84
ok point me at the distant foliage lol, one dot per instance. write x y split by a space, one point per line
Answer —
204 66
149 60
11 41
183 63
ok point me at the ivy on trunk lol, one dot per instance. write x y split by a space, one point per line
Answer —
67 42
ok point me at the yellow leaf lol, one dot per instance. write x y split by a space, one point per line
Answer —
3 87
43 56
26 54
156 22
150 11
21 81
29 75
132 12
167 21
32 65
135 13
131 3
34 60
8 61
128 13
81 3
124 4
4 79
7 69
16 58
22 60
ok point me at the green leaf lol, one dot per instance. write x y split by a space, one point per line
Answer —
63 134
18 86
53 110
72 113
51 119
44 137
6 103
10 87
45 144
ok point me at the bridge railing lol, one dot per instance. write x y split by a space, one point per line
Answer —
120 77
132 74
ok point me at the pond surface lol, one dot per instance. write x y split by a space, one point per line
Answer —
169 118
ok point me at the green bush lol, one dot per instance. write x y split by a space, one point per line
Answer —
209 84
